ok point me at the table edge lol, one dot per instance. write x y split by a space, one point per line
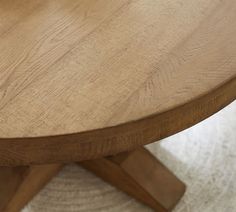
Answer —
112 140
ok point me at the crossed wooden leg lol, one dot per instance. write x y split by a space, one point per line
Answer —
19 184
142 176
137 173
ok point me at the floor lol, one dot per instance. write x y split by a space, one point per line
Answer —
204 157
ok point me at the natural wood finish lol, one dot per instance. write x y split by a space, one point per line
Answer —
84 79
18 185
140 175
109 141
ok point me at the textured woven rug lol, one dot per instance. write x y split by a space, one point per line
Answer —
204 157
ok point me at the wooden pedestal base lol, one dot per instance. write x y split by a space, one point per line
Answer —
142 176
19 184
137 173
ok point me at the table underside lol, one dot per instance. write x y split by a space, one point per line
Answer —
138 173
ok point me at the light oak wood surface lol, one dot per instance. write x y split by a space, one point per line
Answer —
84 79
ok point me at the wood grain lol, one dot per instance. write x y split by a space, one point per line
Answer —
84 79
18 185
141 175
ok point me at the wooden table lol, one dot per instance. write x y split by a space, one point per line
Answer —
92 81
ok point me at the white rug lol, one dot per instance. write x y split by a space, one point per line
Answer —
204 157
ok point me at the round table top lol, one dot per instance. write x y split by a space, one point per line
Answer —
81 79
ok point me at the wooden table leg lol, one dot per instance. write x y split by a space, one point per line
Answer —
19 184
137 173
141 175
